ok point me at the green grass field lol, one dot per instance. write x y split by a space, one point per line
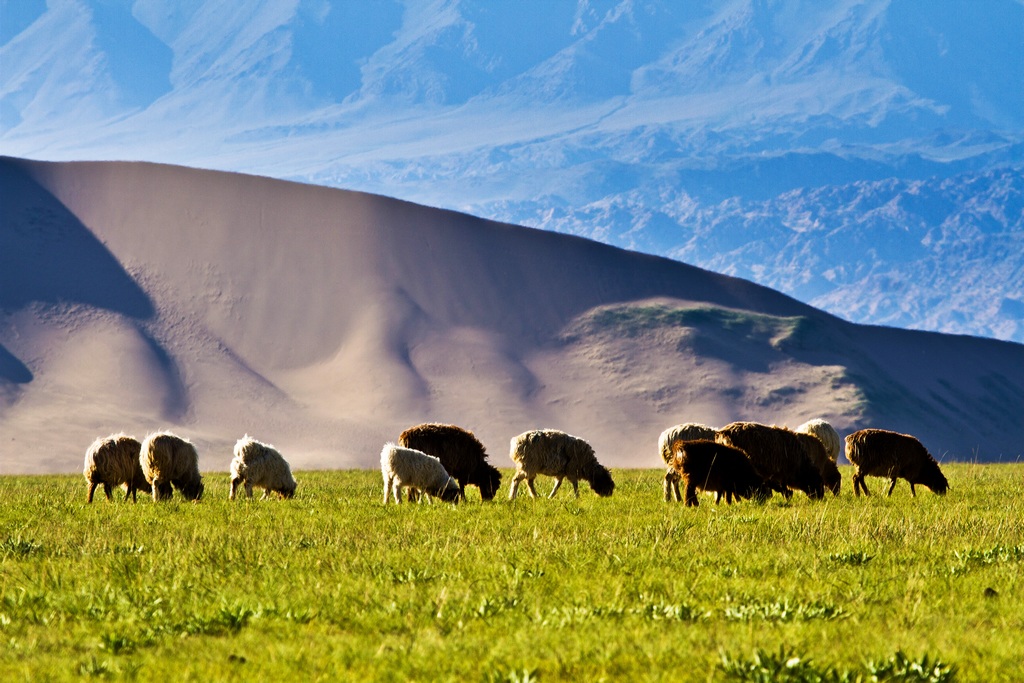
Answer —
335 586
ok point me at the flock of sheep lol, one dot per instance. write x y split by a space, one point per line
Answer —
751 460
163 462
740 460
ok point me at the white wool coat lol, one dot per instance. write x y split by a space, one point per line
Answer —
169 459
260 465
826 434
408 468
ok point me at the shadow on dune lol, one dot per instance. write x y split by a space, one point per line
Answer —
47 255
176 402
12 369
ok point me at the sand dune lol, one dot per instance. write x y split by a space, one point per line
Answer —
138 296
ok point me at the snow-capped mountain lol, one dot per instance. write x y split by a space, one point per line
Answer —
863 155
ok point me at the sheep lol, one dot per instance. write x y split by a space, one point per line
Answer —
882 453
777 454
716 467
689 431
114 461
462 455
171 460
260 464
409 468
557 454
818 454
826 434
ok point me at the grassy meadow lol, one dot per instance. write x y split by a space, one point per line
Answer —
335 586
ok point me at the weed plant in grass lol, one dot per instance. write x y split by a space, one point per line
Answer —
332 585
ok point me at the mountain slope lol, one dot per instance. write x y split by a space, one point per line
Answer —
327 320
657 125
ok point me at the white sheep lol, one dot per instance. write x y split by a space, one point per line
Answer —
825 433
559 455
169 460
688 431
408 468
260 464
114 461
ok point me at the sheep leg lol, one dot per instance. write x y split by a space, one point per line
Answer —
130 491
575 488
248 490
396 491
235 483
108 490
912 492
514 488
92 489
558 483
387 489
691 495
533 489
668 486
675 487
718 497
891 487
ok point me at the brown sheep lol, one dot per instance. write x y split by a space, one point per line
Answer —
114 461
462 455
688 431
777 454
712 466
171 460
818 453
882 453
560 455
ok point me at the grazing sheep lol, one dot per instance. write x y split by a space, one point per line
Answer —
557 454
777 454
882 453
827 468
408 468
114 461
826 434
689 431
171 460
260 464
462 455
712 466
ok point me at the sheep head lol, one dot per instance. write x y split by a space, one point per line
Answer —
192 490
932 477
449 492
488 479
601 481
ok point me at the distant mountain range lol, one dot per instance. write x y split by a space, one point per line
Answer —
865 156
